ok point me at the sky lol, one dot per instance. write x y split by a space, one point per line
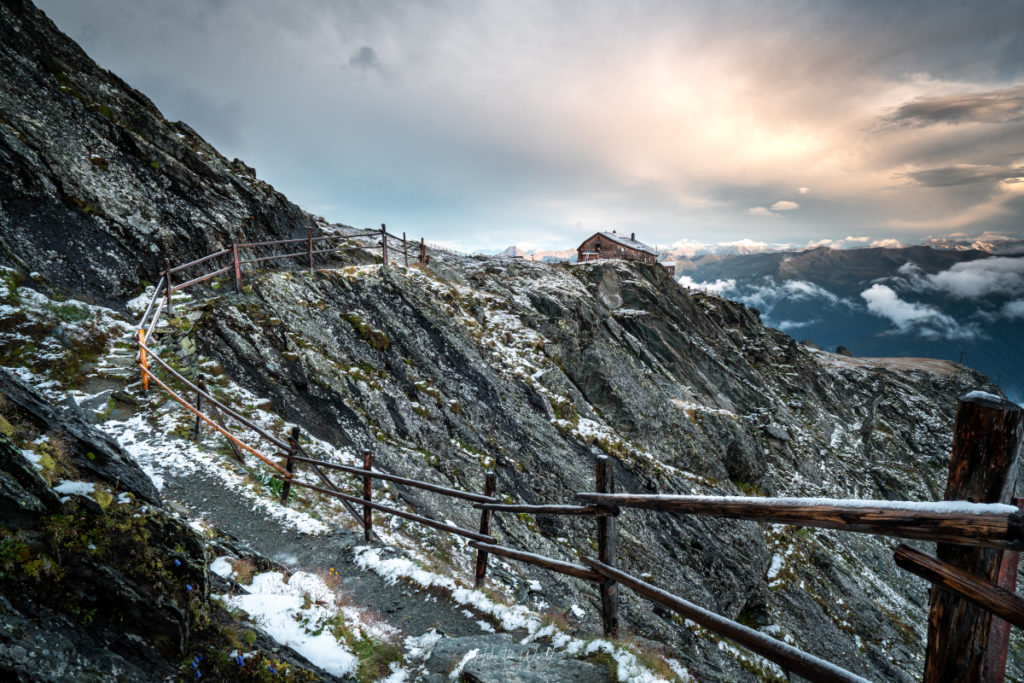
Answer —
536 123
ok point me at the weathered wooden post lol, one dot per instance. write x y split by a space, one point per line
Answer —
237 267
606 549
367 495
490 489
999 634
293 449
200 390
309 243
405 249
982 469
167 286
384 243
423 251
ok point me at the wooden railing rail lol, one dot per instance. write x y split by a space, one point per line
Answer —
449 528
202 259
962 523
796 661
436 488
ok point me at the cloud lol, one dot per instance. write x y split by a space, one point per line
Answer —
887 243
847 242
803 190
983 277
784 205
762 211
787 325
966 174
1013 309
719 287
914 318
994 106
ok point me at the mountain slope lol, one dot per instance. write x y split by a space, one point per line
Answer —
457 368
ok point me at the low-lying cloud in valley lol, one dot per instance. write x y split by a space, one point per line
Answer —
915 318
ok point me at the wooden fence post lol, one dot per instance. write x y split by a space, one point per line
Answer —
367 495
384 243
201 387
309 242
982 469
606 550
999 633
405 249
293 449
168 286
237 266
423 251
490 488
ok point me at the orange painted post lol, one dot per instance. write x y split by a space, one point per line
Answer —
367 495
238 267
142 361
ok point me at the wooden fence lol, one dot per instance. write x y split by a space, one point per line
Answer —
974 572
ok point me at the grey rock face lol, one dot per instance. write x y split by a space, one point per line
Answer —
689 393
499 659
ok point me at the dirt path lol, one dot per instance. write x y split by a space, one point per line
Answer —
406 607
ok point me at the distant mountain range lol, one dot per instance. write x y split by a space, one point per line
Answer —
949 299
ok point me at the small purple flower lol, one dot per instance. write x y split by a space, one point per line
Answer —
177 562
188 586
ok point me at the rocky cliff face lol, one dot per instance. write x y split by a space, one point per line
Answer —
96 187
471 365
532 370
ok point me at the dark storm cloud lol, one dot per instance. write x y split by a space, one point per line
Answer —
996 106
966 174
364 58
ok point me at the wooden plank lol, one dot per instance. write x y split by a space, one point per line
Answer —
987 440
201 278
606 549
490 488
579 571
585 510
993 598
436 488
801 663
966 524
458 531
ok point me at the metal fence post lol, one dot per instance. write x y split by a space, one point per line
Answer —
606 549
490 489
